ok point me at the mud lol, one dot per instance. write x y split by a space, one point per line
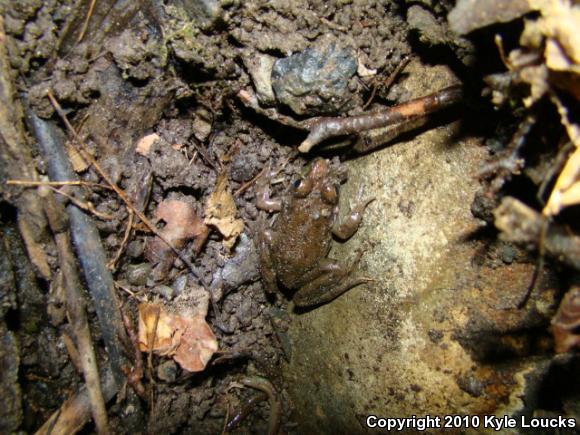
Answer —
174 69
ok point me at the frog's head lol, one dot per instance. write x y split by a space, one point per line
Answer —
318 180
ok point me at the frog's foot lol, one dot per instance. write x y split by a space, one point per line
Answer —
325 289
346 229
332 281
264 180
263 200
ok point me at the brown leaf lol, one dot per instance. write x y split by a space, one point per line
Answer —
185 337
182 224
78 162
157 332
35 250
197 344
220 212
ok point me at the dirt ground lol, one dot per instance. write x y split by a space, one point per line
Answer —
186 106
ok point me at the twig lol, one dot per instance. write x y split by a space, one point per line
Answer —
72 415
134 374
87 206
140 197
247 184
77 311
323 128
112 265
521 224
56 183
390 80
86 22
264 385
510 162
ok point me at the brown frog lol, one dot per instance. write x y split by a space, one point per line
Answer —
294 250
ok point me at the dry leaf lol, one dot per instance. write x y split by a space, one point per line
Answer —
156 330
220 212
78 162
144 145
185 337
197 344
566 191
182 224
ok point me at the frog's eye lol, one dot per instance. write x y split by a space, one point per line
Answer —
302 187
329 193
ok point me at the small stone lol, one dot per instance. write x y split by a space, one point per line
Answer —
203 12
179 284
508 254
424 22
315 81
260 68
202 123
137 274
164 291
167 371
135 249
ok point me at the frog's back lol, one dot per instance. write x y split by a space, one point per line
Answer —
302 240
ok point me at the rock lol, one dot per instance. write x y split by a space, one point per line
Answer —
167 371
137 274
203 12
430 31
315 81
241 268
165 291
259 67
421 339
469 15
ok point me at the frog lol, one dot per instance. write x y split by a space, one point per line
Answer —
293 251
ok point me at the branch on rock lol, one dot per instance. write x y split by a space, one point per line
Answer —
521 224
323 128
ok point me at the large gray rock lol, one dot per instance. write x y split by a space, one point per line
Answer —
439 332
315 81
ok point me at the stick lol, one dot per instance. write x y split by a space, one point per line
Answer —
89 248
323 128
72 415
264 385
76 308
521 224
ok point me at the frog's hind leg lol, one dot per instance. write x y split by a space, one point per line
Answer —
334 279
267 270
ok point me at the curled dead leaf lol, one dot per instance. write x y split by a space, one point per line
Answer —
182 224
184 336
220 212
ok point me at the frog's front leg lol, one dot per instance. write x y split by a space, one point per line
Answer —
263 200
327 282
344 230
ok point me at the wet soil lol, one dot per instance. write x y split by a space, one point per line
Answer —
175 69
